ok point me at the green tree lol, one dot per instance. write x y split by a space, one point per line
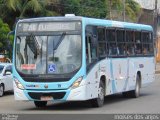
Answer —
116 10
13 9
133 10
89 8
4 30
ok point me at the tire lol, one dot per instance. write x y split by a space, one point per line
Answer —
40 104
136 92
1 90
98 102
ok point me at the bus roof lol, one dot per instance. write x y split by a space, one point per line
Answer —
119 24
93 21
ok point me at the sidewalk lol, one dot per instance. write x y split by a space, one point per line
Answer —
157 68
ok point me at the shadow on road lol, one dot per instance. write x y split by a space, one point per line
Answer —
79 105
8 93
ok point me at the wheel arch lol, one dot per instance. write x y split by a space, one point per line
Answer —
103 79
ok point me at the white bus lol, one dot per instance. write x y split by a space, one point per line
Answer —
78 58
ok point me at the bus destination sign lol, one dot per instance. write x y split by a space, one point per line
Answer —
48 26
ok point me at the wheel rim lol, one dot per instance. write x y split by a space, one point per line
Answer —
1 90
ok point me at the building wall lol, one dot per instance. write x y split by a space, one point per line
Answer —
147 4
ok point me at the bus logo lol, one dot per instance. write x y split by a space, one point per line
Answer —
46 86
59 85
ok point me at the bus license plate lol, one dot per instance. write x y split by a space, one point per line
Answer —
46 98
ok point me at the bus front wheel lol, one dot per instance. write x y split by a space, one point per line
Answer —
40 104
1 90
98 102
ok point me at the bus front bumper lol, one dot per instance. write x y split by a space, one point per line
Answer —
51 95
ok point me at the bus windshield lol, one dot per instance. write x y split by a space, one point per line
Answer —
48 54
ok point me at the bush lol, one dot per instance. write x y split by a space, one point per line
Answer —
4 30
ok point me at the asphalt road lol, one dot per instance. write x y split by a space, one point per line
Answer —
148 102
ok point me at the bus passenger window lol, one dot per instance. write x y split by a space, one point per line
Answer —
130 49
130 43
102 49
111 42
121 49
111 35
112 49
121 42
151 49
145 49
138 47
101 43
147 43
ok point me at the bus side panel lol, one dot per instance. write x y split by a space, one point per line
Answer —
92 82
147 71
133 69
146 67
105 71
119 73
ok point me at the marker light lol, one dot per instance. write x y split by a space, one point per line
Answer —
69 15
77 83
18 84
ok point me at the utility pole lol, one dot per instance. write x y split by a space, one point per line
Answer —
156 2
124 10
156 17
110 9
156 42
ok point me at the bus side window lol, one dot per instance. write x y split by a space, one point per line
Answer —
91 45
138 47
91 51
121 42
147 43
101 43
111 42
130 37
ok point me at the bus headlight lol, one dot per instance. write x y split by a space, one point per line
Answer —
76 83
18 84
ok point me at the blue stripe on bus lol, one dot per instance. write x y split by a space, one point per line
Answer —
127 79
112 78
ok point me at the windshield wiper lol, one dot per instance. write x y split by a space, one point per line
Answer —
60 40
33 45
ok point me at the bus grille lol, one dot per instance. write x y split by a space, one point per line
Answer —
38 95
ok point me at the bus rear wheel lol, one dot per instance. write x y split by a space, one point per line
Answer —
98 102
40 104
136 92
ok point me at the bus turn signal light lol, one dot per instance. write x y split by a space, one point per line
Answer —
77 83
18 84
